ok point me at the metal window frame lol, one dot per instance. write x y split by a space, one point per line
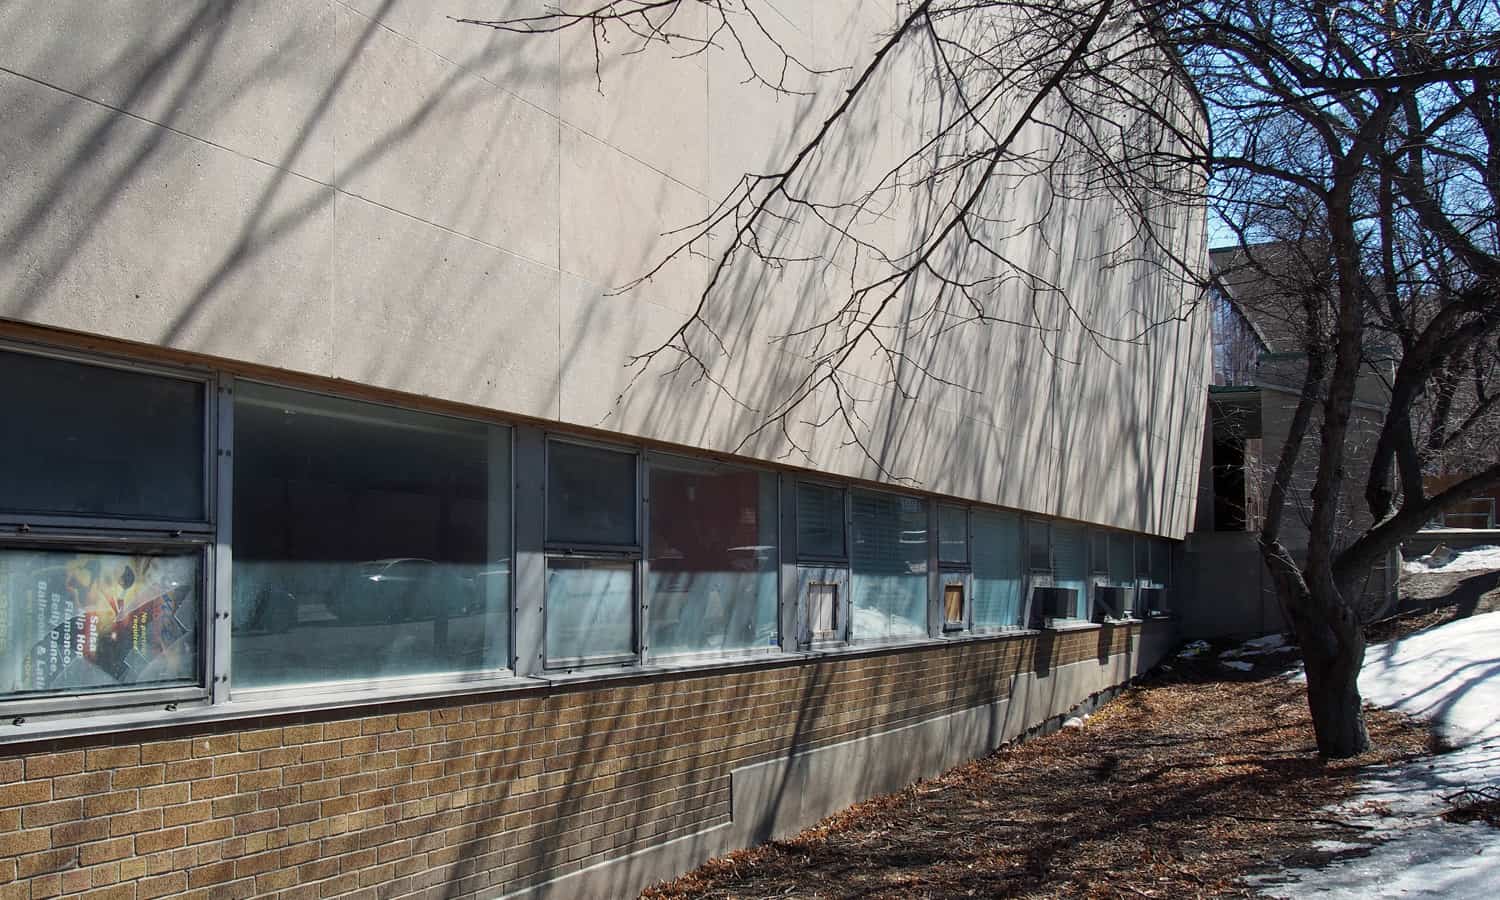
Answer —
929 514
813 558
1023 576
207 378
1084 594
647 656
946 572
85 533
968 514
811 573
375 688
964 578
634 553
20 706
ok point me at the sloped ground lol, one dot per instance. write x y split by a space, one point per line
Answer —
1435 835
1179 788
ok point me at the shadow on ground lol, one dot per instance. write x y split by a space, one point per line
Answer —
1181 787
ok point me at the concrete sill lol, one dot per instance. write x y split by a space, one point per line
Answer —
1063 627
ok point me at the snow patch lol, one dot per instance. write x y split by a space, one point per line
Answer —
1444 560
1451 676
1261 646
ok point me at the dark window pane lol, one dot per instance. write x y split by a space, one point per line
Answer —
888 566
97 621
1161 560
1099 552
92 440
368 541
1121 557
713 558
820 521
953 534
1039 542
590 495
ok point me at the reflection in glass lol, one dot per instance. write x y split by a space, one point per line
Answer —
712 584
369 542
74 621
94 440
590 609
888 566
590 495
997 570
953 534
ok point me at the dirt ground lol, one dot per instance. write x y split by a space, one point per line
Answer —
1429 599
1179 788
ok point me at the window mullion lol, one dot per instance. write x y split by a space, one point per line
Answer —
219 636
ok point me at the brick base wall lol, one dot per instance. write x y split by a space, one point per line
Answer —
469 797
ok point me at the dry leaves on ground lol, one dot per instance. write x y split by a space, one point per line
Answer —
1176 789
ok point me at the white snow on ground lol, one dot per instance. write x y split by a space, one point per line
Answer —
1479 559
1451 676
1261 646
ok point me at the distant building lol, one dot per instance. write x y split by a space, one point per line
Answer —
1258 372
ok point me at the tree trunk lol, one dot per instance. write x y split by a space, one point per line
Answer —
1333 650
1333 698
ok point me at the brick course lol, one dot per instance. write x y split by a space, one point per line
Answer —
464 797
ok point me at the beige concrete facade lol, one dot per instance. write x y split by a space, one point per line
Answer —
372 192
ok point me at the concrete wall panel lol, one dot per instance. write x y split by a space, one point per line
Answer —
113 225
191 154
420 309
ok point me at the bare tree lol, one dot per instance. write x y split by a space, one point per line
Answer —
1361 133
1361 137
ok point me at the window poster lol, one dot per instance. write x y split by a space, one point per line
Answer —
74 621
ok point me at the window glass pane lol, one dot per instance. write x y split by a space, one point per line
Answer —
1099 551
590 609
74 621
888 566
953 534
712 541
997 570
1071 569
1039 542
1143 557
820 520
1121 558
590 495
93 440
1161 560
369 542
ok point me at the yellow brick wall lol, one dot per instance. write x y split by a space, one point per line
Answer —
464 797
